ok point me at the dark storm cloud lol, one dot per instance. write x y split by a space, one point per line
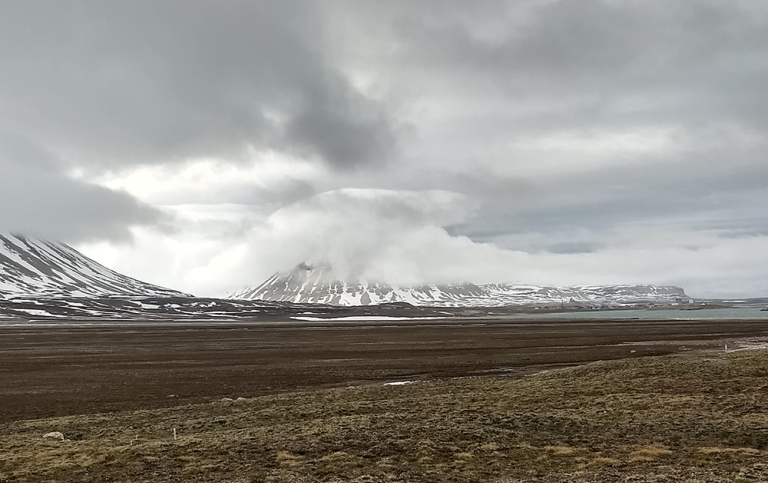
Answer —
342 127
116 83
37 199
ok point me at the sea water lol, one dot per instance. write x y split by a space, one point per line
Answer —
660 314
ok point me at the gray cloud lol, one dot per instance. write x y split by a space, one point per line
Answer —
111 84
578 65
37 198
696 69
342 127
599 50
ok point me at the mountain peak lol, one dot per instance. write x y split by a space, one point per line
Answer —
318 283
30 266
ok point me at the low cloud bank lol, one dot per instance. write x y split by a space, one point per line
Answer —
402 238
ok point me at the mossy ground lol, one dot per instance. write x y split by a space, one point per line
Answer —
683 418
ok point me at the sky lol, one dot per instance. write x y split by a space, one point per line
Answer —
204 145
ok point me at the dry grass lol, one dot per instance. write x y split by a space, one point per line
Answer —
602 461
715 450
649 452
285 458
560 450
679 418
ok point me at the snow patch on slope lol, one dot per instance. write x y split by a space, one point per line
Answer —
318 284
30 266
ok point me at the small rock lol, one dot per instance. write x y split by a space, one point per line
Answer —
240 399
54 435
227 399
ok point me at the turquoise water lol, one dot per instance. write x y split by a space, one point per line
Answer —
667 314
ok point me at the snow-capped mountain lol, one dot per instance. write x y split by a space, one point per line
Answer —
318 284
33 267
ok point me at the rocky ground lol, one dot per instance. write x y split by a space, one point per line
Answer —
695 416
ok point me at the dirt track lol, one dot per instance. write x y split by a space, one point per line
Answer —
62 370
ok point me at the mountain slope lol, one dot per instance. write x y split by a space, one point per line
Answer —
318 284
30 266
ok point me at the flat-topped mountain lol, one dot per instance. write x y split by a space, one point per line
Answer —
34 267
319 284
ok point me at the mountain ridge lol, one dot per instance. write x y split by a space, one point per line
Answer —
307 283
35 267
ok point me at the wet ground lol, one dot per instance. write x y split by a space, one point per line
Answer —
68 368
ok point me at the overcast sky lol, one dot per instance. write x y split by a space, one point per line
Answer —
204 145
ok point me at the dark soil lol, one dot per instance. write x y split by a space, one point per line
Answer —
68 369
692 418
